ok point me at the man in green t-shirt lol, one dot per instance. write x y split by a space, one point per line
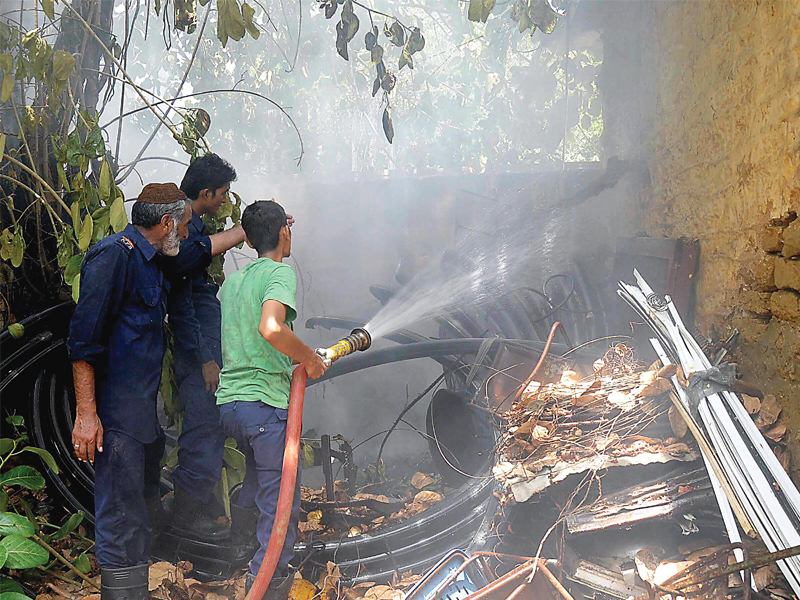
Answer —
258 348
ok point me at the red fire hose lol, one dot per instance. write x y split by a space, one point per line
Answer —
283 512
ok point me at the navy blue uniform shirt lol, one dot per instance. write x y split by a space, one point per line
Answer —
117 328
194 310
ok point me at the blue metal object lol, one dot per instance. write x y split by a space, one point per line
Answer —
467 582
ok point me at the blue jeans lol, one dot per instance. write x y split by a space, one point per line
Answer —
126 473
201 442
260 434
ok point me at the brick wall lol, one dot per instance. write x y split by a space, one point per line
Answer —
721 135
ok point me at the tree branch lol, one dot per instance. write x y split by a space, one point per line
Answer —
222 91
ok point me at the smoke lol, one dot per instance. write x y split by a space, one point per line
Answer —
478 154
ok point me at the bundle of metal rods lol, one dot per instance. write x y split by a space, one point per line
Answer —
747 477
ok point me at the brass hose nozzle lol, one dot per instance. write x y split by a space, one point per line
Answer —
359 339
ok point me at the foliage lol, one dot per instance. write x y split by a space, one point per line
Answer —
24 543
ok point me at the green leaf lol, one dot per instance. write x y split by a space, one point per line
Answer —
479 10
233 458
23 553
2 143
308 456
49 9
3 500
66 248
247 14
119 220
75 213
82 563
7 87
14 524
6 444
106 182
24 476
376 54
15 420
388 127
76 288
74 150
405 59
94 147
85 235
18 250
349 21
12 246
8 585
14 596
68 527
341 41
46 457
416 42
101 218
17 330
73 269
3 558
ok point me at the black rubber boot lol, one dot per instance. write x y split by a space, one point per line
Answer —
129 583
190 520
278 589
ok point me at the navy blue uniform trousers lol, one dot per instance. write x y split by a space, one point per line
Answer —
126 475
200 444
260 434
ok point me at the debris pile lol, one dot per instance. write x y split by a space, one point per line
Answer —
753 489
589 424
351 516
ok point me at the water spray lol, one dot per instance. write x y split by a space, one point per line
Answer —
359 339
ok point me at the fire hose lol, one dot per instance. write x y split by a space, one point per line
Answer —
359 339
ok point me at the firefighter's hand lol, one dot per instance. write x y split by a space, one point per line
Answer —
211 376
87 435
315 367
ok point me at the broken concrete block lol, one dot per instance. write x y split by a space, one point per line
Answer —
759 273
787 273
755 302
791 240
772 239
785 305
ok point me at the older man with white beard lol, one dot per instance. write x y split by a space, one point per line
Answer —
116 343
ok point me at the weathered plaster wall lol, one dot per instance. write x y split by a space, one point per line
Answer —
722 142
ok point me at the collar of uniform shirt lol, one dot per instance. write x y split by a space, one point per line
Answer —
139 241
197 222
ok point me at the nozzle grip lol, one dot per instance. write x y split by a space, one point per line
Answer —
324 356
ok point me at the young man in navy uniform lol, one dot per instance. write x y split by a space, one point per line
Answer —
195 315
116 343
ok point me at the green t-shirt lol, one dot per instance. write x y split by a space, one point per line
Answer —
252 369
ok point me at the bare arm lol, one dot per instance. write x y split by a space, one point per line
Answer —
87 434
225 240
274 329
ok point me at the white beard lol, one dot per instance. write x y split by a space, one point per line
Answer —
171 244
